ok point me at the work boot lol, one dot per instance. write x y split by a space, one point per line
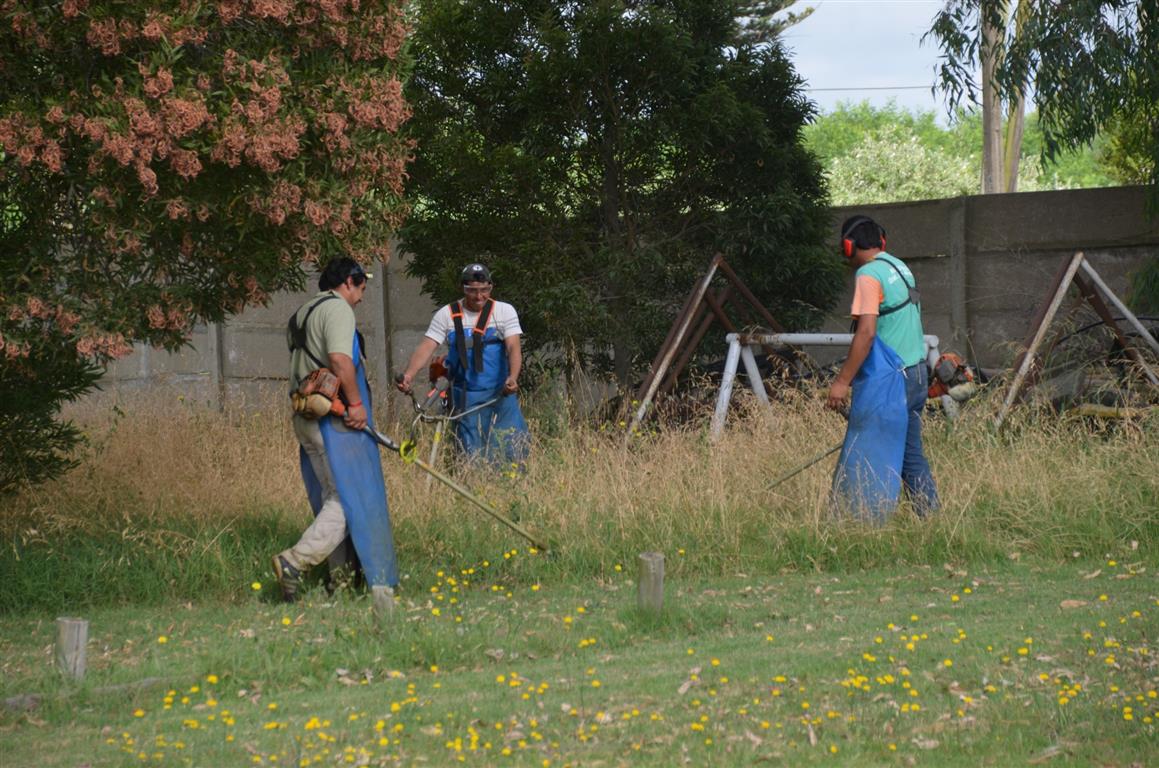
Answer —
289 578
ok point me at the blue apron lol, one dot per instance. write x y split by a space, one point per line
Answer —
867 481
356 465
497 433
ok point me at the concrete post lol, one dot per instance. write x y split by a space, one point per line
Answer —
72 636
650 584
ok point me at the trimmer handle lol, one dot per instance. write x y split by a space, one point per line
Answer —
442 384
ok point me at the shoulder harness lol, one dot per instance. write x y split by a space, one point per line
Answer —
476 336
913 297
298 332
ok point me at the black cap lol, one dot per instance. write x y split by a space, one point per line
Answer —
475 273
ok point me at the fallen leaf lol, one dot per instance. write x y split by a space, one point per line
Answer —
1092 574
812 735
1072 603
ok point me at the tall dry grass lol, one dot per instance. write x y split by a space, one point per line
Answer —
203 497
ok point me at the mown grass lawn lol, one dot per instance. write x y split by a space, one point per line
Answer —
1018 663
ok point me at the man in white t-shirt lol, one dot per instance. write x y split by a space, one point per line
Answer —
484 360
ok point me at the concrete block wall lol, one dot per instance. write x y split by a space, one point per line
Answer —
983 264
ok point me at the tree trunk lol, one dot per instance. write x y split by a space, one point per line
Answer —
1013 148
991 105
1016 116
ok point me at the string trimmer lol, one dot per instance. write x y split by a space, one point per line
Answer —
408 451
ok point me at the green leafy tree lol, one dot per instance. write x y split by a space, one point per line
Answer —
856 129
890 165
1087 62
173 161
1127 150
597 153
839 132
1093 66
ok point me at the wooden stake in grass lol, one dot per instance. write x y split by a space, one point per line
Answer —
650 585
72 636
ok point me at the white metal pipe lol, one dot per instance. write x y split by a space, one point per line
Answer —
754 373
816 339
738 351
725 395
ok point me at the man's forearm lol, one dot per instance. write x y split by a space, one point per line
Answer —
514 357
421 356
858 351
343 368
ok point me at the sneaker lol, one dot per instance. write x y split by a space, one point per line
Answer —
289 578
382 601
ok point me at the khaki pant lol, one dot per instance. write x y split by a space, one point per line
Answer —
324 537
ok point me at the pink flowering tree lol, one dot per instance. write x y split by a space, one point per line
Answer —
174 161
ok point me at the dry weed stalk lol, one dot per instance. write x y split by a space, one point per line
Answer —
168 457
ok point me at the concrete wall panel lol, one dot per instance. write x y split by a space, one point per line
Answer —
983 265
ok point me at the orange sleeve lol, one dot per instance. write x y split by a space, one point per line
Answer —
867 296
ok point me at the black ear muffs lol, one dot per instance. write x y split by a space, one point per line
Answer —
849 245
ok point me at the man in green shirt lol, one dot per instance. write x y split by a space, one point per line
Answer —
340 463
886 307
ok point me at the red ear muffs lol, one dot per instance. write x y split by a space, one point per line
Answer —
848 246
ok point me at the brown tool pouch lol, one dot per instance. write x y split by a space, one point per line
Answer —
317 395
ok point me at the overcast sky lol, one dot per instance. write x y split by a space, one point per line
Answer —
855 50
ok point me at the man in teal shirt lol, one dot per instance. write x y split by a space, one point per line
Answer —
886 307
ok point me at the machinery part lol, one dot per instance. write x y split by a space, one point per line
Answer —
951 376
790 475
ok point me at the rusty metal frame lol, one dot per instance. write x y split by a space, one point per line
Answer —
1027 365
700 310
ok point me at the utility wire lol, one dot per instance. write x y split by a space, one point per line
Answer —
875 88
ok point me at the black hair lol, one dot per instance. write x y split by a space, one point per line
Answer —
337 270
863 231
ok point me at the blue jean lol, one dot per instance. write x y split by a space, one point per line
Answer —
915 470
